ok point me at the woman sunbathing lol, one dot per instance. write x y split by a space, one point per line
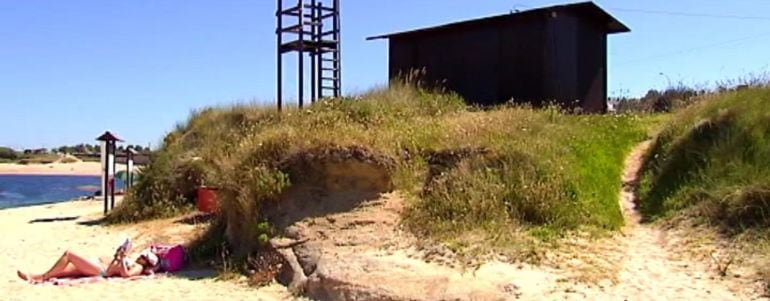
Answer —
72 265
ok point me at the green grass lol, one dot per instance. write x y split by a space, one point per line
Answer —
548 173
712 161
470 176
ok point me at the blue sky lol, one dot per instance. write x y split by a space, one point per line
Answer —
150 62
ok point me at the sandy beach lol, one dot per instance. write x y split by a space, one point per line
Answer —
34 237
59 169
368 255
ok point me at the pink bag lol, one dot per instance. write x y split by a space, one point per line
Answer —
171 257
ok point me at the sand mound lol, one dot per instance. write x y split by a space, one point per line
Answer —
343 239
354 249
330 180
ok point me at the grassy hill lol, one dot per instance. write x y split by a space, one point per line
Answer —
471 177
710 167
714 158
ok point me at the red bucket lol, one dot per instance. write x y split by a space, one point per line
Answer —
207 200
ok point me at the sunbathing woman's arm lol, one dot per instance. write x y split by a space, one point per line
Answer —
121 266
130 270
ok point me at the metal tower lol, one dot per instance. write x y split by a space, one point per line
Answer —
313 30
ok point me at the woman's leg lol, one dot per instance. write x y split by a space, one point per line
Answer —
84 266
57 267
60 264
70 271
68 265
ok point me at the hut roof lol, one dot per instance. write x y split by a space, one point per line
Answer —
586 9
107 136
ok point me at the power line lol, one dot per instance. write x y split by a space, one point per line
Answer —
693 49
689 14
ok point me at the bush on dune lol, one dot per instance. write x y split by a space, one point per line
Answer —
517 168
8 154
713 161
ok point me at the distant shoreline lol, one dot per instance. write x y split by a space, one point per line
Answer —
46 203
53 169
46 175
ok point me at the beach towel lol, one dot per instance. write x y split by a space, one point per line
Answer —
96 279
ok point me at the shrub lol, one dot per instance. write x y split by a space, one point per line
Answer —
164 188
8 153
510 189
714 159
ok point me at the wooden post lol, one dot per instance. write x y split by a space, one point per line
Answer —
105 176
319 52
301 52
279 33
314 52
130 152
338 54
108 141
112 158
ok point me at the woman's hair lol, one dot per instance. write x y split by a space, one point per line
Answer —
151 260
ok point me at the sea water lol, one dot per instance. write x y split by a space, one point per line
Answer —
27 190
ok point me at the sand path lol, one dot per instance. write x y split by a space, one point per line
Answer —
645 257
650 271
33 237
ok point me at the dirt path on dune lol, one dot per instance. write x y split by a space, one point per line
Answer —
362 254
650 269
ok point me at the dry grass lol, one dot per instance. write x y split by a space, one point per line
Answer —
537 174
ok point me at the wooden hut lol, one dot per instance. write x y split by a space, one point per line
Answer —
552 54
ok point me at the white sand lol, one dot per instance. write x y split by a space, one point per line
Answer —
35 246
